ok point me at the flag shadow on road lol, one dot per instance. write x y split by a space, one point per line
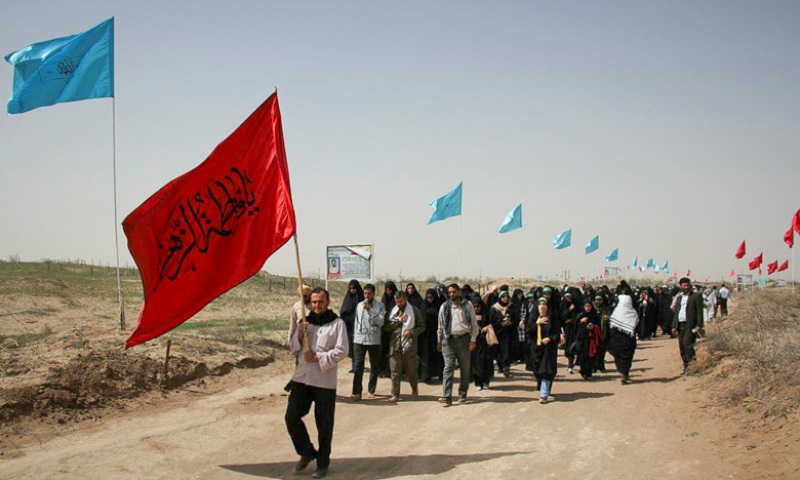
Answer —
374 468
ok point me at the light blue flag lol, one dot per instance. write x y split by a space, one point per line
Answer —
665 267
634 264
563 240
613 256
446 206
649 264
513 220
67 69
593 244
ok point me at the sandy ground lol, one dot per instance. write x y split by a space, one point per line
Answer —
659 427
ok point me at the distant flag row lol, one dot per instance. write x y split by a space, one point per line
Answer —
773 267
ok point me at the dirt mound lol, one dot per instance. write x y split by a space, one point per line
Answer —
103 379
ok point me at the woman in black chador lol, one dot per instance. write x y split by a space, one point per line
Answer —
354 295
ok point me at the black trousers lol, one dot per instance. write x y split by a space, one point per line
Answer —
359 355
686 341
300 398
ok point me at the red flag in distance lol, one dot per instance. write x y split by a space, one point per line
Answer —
733 274
783 266
772 267
214 226
741 251
788 237
756 263
796 222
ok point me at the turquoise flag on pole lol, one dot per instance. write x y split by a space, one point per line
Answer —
66 69
512 221
593 244
563 240
613 256
634 264
446 206
650 264
665 267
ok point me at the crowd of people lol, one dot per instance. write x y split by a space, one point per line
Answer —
449 328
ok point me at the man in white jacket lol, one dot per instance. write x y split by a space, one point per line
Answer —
314 381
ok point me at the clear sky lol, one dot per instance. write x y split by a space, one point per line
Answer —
670 129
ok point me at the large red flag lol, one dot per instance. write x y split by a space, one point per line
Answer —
796 222
772 267
741 251
788 237
756 263
783 266
213 227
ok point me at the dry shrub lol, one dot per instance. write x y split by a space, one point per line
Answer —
753 353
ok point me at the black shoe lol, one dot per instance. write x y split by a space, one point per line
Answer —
320 473
303 463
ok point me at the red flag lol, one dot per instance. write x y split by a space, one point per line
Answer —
741 251
733 274
772 267
689 272
788 237
676 274
213 227
756 263
796 222
783 266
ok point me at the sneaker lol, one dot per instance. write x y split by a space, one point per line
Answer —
446 401
570 371
320 473
303 463
462 400
479 388
543 401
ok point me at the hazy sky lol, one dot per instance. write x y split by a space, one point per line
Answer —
671 129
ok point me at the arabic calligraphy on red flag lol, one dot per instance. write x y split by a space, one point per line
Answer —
213 227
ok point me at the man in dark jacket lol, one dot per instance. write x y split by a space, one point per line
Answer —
687 321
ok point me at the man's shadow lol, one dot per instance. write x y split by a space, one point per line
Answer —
373 468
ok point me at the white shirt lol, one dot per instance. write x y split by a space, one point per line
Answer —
724 293
682 311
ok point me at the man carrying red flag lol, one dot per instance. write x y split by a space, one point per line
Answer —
213 227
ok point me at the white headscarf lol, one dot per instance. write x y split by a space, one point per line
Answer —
625 317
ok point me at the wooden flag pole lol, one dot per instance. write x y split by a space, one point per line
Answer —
302 324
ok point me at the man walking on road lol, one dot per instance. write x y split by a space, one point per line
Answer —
405 323
367 325
687 321
314 380
457 335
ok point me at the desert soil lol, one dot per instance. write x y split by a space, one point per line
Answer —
662 426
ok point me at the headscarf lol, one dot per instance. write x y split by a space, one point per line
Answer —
414 298
351 300
625 317
388 298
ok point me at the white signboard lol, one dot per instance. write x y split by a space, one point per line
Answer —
346 262
611 271
744 279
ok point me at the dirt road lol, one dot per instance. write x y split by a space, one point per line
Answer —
658 427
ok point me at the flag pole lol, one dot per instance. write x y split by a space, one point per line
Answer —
116 221
460 240
306 345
